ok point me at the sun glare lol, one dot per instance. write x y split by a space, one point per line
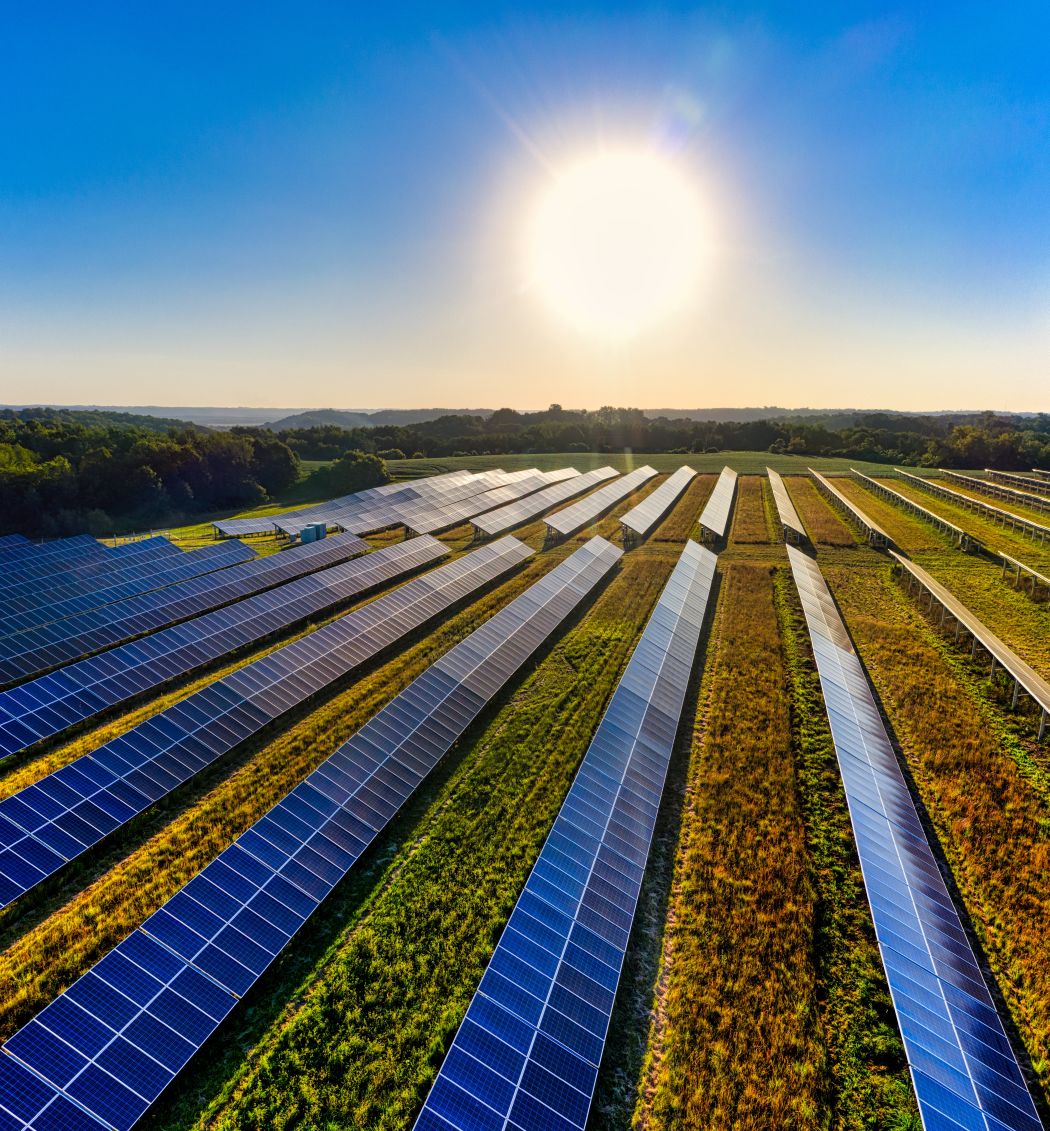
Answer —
616 243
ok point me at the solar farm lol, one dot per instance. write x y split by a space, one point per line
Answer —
536 800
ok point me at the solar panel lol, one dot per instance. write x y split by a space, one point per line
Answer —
60 601
514 514
962 538
963 1068
54 820
49 705
40 649
714 519
53 559
874 533
640 520
999 491
790 524
10 541
416 488
527 1053
565 522
444 516
25 550
115 1039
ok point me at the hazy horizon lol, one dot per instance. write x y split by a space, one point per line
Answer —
335 201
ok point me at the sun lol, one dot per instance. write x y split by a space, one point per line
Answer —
617 242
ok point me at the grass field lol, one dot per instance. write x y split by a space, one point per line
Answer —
752 994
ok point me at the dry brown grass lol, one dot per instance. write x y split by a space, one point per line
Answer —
823 523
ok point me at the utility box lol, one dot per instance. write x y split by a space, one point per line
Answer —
314 532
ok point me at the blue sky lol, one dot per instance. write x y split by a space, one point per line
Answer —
320 205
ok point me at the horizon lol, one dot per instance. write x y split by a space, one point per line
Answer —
333 200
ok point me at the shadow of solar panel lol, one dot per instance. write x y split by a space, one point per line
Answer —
120 1034
581 514
790 523
527 1052
57 818
50 646
714 518
640 520
61 601
963 1069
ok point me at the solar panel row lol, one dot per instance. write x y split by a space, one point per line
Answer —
989 510
790 524
565 522
53 821
54 558
127 561
874 533
60 602
640 520
119 1035
40 649
392 509
1022 482
49 705
514 514
999 491
962 538
445 516
10 541
714 519
963 1068
1024 675
22 549
236 527
527 1053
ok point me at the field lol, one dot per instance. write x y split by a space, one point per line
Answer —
753 993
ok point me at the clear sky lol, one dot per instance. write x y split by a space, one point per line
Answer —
324 204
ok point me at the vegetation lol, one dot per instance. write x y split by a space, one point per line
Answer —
823 523
983 440
61 476
749 512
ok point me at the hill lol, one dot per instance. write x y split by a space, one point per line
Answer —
382 418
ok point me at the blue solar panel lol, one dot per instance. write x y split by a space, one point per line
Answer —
963 1068
52 558
77 594
115 1039
528 1050
50 646
54 820
11 541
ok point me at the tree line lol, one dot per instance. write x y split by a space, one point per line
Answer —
943 440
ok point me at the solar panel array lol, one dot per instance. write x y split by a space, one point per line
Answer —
53 558
874 533
963 1068
53 821
398 509
514 514
527 1053
58 602
113 1041
37 650
435 517
10 541
575 517
714 519
49 705
998 491
1016 479
640 520
1003 517
1002 655
791 525
238 527
962 538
